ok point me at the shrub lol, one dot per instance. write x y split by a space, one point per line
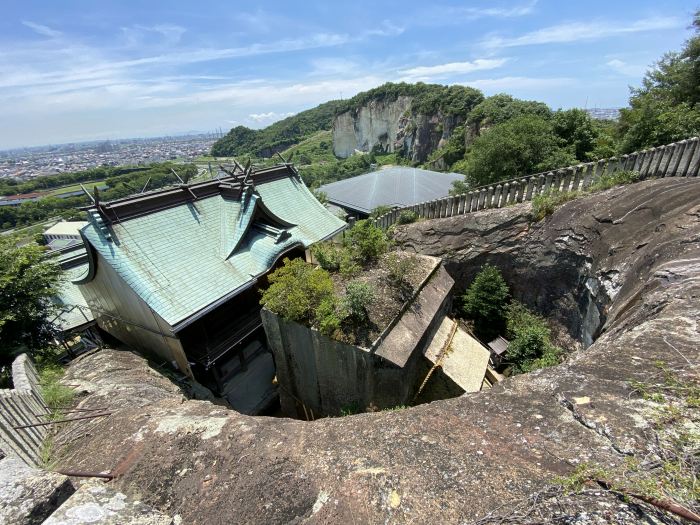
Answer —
544 205
366 241
348 265
296 290
329 316
485 302
530 347
398 269
607 181
379 211
328 255
358 296
407 217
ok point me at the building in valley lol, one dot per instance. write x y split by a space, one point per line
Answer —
175 273
396 187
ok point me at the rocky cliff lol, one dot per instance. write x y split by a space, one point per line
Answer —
619 270
391 126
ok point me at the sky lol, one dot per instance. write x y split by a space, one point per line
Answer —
85 70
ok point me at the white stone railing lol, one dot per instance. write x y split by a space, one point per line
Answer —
680 159
20 406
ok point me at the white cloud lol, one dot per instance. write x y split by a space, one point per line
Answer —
452 68
42 29
515 83
623 68
137 34
579 31
271 116
500 12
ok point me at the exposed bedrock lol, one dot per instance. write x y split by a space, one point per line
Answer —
391 126
450 461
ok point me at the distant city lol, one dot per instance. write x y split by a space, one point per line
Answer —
27 163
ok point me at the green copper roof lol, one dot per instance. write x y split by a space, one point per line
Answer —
183 258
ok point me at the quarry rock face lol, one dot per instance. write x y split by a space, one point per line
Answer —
393 127
620 268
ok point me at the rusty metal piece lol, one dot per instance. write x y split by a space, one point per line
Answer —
47 423
82 474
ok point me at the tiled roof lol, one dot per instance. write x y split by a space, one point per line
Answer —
397 186
183 258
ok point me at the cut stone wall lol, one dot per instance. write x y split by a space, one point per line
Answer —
19 406
319 376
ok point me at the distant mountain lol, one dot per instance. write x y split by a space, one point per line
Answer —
243 141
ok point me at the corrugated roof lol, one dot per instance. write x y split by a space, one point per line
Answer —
396 186
178 259
499 345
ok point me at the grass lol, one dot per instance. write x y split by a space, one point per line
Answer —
318 148
56 395
74 187
619 178
545 204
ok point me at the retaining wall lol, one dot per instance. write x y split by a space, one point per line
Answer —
23 405
679 159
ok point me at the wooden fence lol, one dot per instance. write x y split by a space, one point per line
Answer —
680 159
23 405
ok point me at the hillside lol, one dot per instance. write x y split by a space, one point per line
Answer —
243 141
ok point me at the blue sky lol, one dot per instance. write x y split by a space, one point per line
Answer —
81 70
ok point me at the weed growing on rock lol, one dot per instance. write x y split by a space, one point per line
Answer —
544 205
54 393
407 217
607 181
666 475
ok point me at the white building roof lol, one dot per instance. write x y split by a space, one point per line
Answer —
66 228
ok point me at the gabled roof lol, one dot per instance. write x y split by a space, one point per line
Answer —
182 254
396 186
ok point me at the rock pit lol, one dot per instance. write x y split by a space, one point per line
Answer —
619 271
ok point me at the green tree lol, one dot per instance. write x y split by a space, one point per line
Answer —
501 108
578 131
667 106
485 302
523 145
27 282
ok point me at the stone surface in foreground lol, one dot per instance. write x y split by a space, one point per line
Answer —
27 495
95 502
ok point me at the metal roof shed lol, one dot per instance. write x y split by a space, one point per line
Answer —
397 186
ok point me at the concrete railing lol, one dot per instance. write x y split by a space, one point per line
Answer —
680 159
19 406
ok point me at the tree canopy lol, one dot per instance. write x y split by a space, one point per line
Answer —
27 282
521 145
667 106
